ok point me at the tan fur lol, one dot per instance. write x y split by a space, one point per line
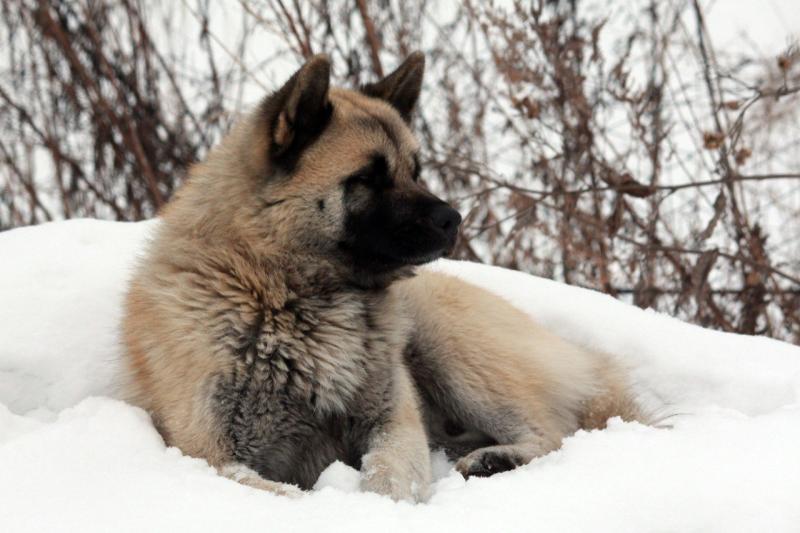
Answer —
230 272
394 450
496 355
500 353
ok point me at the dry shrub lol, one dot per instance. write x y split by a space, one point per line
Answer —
614 149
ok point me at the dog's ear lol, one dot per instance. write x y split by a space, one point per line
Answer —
401 88
299 111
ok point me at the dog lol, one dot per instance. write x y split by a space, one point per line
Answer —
278 320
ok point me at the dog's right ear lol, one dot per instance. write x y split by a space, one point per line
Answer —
401 88
298 112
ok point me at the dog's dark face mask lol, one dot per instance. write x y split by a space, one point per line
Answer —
392 221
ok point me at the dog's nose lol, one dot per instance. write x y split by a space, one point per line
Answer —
445 218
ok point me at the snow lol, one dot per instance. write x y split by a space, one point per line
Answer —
73 458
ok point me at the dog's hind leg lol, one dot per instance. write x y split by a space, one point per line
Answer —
506 423
488 368
515 434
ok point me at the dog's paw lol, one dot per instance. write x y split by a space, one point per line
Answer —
399 483
244 475
396 489
489 461
275 487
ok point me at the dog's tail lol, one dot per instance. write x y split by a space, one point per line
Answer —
616 398
615 403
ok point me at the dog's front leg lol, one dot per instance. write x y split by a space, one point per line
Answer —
397 462
246 476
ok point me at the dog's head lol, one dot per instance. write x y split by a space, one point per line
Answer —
335 173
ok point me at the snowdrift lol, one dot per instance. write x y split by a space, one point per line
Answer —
72 458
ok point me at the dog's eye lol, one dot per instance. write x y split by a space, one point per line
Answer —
360 179
369 178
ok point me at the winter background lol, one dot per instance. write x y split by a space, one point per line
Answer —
73 458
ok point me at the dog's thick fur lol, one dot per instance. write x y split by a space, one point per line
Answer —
276 323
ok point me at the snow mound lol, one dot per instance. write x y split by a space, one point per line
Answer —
75 459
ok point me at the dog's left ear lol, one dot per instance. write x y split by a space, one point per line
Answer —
401 88
299 111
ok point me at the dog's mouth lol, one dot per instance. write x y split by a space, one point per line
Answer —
380 261
421 259
419 242
434 245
